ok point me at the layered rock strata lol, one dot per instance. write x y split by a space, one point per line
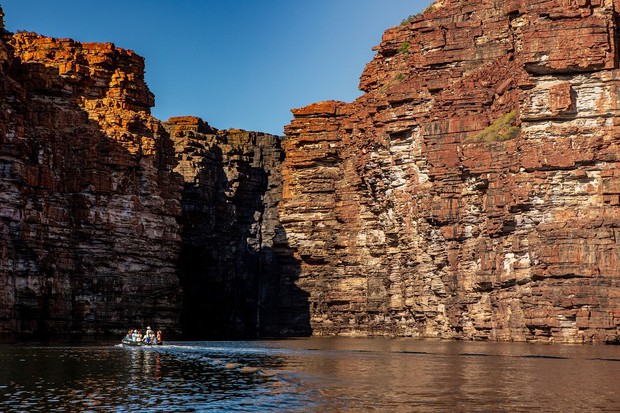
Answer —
88 200
473 191
107 223
235 265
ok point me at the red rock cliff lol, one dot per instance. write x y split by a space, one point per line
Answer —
110 219
473 191
88 231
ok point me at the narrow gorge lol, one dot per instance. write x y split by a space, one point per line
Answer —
471 192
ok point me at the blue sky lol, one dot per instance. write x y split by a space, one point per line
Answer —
235 63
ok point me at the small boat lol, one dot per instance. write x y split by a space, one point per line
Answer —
130 343
135 339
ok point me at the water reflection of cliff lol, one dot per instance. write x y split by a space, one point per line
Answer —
412 375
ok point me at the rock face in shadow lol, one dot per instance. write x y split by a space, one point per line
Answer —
473 191
106 223
235 263
88 199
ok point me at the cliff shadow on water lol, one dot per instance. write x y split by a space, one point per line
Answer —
236 268
87 222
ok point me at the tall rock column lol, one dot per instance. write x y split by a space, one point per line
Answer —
235 255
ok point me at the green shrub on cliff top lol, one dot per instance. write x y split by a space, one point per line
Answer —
409 19
430 8
412 17
502 129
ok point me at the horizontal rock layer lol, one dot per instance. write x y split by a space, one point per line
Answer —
473 191
88 201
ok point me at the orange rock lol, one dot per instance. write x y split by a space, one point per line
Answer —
88 191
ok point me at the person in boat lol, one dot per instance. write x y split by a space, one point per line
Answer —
148 336
128 336
158 337
134 335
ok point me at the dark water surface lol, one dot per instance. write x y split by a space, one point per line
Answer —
312 375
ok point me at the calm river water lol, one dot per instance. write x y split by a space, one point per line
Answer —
312 375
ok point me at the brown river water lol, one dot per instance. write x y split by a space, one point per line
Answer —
312 375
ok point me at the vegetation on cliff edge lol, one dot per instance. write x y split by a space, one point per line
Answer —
404 48
502 129
412 17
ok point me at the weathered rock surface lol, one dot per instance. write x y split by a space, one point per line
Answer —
235 265
88 200
473 191
108 223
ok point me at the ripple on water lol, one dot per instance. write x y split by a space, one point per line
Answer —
309 376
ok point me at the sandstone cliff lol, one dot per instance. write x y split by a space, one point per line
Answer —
473 191
88 201
110 219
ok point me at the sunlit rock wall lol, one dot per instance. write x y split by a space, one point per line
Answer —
88 200
473 191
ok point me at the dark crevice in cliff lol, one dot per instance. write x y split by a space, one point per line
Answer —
236 268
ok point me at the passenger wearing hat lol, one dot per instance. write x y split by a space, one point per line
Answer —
148 336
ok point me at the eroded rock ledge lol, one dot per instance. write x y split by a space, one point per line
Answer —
410 218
